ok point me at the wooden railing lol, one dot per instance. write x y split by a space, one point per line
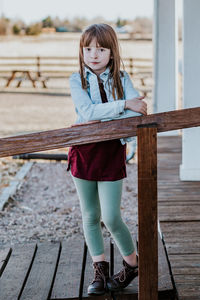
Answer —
146 128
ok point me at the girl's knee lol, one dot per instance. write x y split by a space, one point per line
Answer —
91 218
112 222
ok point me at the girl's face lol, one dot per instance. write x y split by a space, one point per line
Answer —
96 57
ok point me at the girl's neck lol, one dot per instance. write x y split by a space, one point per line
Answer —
96 73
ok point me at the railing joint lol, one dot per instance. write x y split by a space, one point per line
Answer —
148 125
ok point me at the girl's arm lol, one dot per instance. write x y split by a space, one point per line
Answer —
134 106
90 111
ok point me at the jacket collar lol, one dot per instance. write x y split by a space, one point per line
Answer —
89 71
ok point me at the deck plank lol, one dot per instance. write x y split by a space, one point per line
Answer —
13 277
4 257
67 280
183 247
40 279
179 215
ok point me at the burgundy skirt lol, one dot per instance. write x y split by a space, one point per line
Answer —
103 161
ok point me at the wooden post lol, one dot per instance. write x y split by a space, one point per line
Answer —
131 66
38 66
147 212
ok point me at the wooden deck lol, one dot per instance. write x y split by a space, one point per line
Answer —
179 215
53 271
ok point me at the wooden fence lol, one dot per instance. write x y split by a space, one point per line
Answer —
53 66
146 128
40 69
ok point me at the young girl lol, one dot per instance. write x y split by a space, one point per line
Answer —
101 92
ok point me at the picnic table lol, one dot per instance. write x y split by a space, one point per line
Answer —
25 74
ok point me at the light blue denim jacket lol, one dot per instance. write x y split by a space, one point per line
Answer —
88 104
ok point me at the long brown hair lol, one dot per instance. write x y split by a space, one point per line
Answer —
106 38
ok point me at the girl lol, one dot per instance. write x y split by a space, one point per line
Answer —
100 91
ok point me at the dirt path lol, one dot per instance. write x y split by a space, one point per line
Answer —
25 113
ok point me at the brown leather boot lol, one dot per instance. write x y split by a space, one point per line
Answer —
122 279
101 274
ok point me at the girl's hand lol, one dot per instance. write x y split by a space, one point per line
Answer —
137 105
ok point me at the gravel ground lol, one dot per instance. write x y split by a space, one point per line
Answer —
8 170
46 207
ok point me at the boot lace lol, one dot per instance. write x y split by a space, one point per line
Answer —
125 272
99 275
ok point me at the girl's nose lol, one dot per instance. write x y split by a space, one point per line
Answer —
94 53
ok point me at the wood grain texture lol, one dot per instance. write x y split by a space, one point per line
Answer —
147 213
37 283
67 280
40 279
96 132
179 204
4 257
13 277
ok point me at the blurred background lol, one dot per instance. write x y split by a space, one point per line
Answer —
39 43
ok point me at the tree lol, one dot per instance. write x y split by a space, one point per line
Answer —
4 22
120 22
16 29
47 22
34 29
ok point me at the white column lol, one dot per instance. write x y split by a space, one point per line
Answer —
165 56
190 168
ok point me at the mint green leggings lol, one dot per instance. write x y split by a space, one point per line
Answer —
101 199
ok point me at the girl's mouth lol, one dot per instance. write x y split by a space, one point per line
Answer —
94 63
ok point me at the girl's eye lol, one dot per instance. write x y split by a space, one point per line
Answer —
102 50
88 49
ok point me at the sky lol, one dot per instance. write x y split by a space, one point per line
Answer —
35 10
